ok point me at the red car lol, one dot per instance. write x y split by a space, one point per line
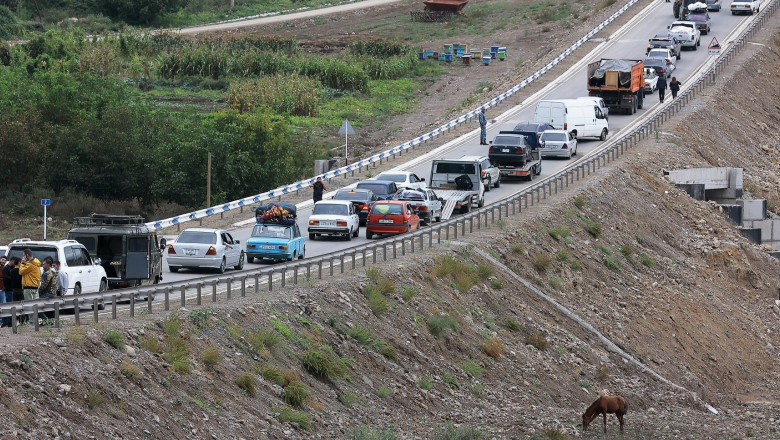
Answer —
391 217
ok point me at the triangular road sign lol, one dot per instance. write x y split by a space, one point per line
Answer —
346 128
714 44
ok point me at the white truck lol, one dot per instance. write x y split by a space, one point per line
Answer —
686 32
459 184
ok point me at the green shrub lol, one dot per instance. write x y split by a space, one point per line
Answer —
151 344
172 324
247 383
360 334
287 414
450 380
575 265
604 249
518 248
471 367
512 324
130 370
556 434
177 354
451 432
425 383
627 250
348 399
408 293
386 349
317 363
271 374
377 302
555 282
646 260
464 281
478 389
610 263
386 286
383 392
538 341
447 265
95 399
211 357
374 274
484 271
579 201
368 433
559 232
285 94
295 394
114 338
562 255
593 229
200 317
541 261
497 284
438 324
585 384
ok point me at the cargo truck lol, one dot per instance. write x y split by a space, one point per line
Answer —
620 83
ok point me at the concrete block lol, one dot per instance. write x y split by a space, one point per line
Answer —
754 235
775 254
712 178
776 230
775 245
695 190
753 209
766 228
733 214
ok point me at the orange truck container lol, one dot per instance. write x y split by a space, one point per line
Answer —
621 83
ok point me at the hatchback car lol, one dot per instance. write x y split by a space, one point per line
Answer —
361 199
713 5
651 80
663 54
702 20
391 217
85 275
537 127
491 175
275 241
383 189
660 67
334 217
205 248
558 143
404 179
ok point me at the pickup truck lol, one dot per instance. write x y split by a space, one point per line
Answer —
459 184
686 32
745 6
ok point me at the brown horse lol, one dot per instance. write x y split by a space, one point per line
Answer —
605 405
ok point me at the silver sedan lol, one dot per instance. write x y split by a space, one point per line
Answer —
558 143
205 248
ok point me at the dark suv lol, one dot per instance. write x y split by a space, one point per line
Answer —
665 42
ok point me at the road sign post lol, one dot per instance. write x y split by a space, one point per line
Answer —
714 47
346 129
45 203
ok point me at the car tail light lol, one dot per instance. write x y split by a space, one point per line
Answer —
171 250
565 125
283 248
250 246
421 208
211 251
491 149
519 151
340 223
564 147
314 222
692 37
364 206
668 61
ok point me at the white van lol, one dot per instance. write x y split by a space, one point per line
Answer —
581 118
599 102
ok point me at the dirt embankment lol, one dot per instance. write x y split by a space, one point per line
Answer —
667 279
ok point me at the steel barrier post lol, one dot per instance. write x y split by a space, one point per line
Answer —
341 260
283 277
229 288
199 290
395 250
243 286
77 309
295 275
183 296
95 309
270 280
57 315
331 266
13 320
132 306
354 257
319 270
35 317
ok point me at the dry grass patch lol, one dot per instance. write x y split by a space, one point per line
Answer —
130 370
493 347
211 357
247 383
541 261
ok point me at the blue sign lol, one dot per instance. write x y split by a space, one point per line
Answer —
45 202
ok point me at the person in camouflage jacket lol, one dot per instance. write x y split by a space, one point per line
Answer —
48 287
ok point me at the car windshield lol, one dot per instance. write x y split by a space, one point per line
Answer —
199 237
455 168
512 141
547 137
658 54
525 126
39 252
271 231
653 62
393 177
351 195
697 18
387 209
377 188
330 209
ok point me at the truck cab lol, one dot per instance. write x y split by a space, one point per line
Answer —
129 251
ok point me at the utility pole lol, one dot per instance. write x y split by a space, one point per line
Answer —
208 183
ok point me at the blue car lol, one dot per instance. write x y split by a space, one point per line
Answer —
275 241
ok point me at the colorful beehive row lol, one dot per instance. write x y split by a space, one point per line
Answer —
462 52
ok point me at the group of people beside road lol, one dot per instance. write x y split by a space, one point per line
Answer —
674 87
27 278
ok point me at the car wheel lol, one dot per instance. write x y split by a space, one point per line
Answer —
603 136
698 43
481 203
357 231
303 252
250 259
240 264
77 289
311 236
221 268
498 182
574 135
539 169
348 236
489 183
174 269
438 217
103 286
369 234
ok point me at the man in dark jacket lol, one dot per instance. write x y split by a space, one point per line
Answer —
6 293
662 87
674 87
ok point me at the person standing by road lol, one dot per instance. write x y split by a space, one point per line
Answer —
48 287
674 87
62 280
30 270
319 188
482 127
6 294
662 87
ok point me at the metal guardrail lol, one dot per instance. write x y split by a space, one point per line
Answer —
293 272
398 149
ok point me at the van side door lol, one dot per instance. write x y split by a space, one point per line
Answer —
138 263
